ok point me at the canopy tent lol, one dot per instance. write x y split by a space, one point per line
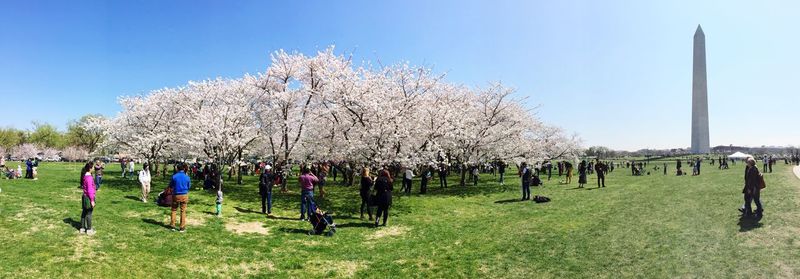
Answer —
739 155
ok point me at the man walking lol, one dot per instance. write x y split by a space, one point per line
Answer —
180 185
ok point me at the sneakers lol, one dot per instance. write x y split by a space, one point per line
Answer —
182 230
82 230
91 232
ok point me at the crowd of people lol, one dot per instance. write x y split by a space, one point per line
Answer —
375 191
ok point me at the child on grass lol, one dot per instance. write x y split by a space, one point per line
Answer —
219 200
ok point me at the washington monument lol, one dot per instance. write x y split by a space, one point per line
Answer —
700 141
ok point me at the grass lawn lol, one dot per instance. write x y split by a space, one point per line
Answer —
647 227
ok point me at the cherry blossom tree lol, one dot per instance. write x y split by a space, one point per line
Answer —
25 151
75 153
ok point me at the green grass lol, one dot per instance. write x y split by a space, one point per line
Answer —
648 227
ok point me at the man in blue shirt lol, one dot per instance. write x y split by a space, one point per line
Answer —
180 185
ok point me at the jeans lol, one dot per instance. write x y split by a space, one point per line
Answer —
86 215
526 190
306 198
502 178
443 181
266 203
601 179
179 201
98 179
748 199
407 185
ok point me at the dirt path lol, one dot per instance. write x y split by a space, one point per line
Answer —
797 171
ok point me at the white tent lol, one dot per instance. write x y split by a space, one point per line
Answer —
739 155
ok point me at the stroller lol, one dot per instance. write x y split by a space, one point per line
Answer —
320 220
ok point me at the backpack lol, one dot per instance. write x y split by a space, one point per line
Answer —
540 199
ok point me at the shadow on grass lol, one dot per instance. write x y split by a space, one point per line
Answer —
73 223
246 210
355 225
747 223
508 201
281 218
154 222
293 230
133 198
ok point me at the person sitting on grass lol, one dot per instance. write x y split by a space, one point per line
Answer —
87 199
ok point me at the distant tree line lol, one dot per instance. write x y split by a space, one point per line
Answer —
45 140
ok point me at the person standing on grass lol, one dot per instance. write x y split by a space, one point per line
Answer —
383 192
601 175
501 169
475 175
98 173
582 174
123 165
568 168
131 169
28 169
307 181
218 201
87 199
364 192
265 184
525 173
144 179
408 177
427 173
442 175
180 185
753 181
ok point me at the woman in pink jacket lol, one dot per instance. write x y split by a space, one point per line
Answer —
87 200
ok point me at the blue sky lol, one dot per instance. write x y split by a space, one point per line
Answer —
618 73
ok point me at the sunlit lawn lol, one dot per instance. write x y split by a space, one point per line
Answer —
649 227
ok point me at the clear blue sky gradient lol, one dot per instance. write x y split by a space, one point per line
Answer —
618 73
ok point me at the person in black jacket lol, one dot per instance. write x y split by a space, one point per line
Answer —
383 191
599 168
752 189
366 188
265 183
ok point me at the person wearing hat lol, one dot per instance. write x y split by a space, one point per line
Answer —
265 183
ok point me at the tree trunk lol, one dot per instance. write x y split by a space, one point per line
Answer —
463 176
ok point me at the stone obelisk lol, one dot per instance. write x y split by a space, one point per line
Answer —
700 142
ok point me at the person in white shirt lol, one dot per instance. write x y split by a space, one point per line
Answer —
144 179
407 178
131 167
